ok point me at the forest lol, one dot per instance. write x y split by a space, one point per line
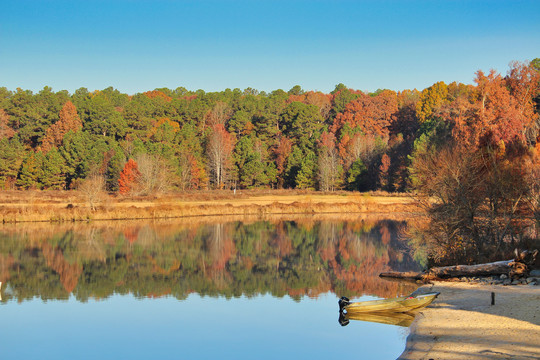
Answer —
178 139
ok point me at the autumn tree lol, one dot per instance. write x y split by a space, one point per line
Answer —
499 116
371 115
69 121
129 178
384 172
523 81
431 99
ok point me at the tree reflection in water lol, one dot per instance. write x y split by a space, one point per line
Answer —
295 258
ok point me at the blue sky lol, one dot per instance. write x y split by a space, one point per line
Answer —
137 46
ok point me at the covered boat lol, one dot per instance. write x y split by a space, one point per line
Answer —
399 304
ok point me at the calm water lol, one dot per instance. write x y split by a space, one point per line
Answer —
197 290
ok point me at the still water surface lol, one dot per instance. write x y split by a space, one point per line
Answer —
197 290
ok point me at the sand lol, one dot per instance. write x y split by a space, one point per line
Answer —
462 324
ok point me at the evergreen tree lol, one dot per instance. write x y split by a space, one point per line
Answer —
30 171
307 174
11 156
357 177
52 174
114 167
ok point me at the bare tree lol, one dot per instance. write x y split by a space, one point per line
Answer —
155 174
219 114
220 146
329 169
93 189
185 173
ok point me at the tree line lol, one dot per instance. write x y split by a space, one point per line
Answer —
179 139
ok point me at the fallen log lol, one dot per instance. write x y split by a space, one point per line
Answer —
494 268
518 267
445 272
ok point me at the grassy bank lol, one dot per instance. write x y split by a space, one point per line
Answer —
32 206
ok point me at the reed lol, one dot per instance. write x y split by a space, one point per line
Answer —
61 206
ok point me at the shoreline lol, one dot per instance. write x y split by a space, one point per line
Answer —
462 324
71 206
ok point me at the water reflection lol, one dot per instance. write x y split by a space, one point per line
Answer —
295 257
390 318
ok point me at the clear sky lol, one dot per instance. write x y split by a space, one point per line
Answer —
137 46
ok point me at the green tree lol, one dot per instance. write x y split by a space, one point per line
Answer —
11 156
30 171
302 122
357 176
306 177
100 116
52 174
113 170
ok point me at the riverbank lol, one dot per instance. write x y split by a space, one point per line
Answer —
462 323
48 206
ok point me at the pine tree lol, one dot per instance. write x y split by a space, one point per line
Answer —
30 171
306 177
52 175
11 155
112 174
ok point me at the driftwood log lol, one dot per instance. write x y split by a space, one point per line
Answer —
518 267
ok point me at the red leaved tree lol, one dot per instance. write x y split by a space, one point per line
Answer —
129 177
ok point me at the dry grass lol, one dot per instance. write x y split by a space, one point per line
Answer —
26 206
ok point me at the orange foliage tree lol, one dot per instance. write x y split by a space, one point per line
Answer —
372 115
157 94
69 120
384 168
129 177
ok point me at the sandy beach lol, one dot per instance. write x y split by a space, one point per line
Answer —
462 324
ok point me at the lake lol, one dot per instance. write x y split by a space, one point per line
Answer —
198 289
